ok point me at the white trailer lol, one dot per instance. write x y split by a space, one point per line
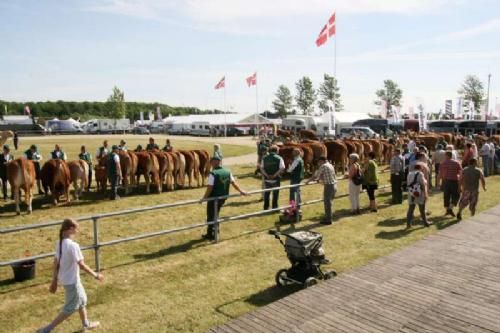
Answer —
97 126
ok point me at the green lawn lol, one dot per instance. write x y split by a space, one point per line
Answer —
179 283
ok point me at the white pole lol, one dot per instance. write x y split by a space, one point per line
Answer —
225 112
256 107
334 72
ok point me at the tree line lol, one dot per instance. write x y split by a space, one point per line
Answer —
328 93
114 107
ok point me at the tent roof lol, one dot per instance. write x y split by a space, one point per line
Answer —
215 119
347 117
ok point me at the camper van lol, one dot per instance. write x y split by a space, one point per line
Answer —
200 128
97 126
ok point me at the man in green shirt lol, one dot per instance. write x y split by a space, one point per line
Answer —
152 145
469 182
5 157
114 171
32 154
219 180
296 171
58 154
272 167
87 157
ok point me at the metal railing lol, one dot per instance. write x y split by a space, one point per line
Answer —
97 245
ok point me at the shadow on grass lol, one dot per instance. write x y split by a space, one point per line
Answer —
261 298
441 222
171 250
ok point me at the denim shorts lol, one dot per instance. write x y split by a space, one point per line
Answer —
75 298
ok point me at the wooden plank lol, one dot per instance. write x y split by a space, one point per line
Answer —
445 283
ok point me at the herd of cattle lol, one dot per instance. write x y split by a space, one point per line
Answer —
160 169
169 170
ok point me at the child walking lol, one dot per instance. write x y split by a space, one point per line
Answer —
67 263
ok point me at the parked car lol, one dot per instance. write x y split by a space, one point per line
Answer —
233 131
140 130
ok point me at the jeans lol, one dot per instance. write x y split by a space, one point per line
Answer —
451 193
211 215
267 195
396 187
486 165
411 209
90 178
328 195
293 191
114 180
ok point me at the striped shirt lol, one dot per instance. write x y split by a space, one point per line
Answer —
326 174
450 170
397 165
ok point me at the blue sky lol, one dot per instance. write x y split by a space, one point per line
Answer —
175 51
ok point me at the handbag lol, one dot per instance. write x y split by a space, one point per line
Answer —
358 179
414 188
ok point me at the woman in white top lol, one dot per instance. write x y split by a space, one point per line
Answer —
67 263
354 189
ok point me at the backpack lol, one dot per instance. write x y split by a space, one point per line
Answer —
414 188
358 179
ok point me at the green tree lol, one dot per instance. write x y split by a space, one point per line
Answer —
473 90
306 95
391 94
283 102
116 104
329 92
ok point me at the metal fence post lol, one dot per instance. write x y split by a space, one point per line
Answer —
296 198
95 221
216 220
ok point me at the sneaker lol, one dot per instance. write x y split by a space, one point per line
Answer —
451 213
91 325
325 222
428 224
459 216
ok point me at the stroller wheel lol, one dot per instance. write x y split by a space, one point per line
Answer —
330 275
282 278
311 281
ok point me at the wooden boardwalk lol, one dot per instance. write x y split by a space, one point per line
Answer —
448 282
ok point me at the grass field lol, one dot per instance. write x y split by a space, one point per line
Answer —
180 283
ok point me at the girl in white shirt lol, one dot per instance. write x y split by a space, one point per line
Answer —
67 263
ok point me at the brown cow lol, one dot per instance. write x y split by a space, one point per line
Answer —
337 154
166 166
180 169
149 167
21 175
308 135
283 133
56 177
204 158
79 173
192 167
128 165
101 178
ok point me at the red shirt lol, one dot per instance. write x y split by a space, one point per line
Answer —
450 170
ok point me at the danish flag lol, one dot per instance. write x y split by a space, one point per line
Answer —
327 32
252 79
221 84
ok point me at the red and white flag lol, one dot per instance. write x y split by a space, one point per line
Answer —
252 79
221 84
327 32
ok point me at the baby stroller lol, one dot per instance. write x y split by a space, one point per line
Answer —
305 251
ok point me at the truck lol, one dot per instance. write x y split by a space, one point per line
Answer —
98 126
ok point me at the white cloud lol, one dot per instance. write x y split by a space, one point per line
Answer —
219 11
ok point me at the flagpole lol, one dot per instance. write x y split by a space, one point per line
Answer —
256 106
225 109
